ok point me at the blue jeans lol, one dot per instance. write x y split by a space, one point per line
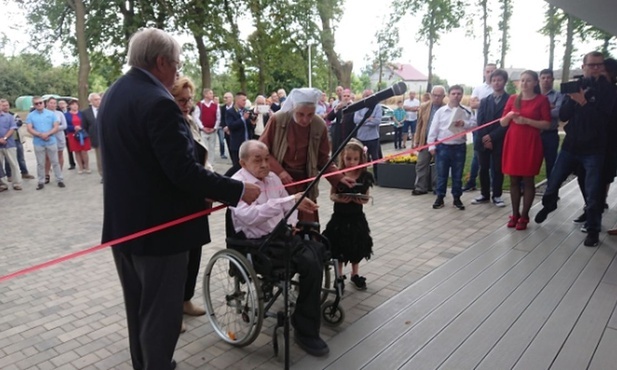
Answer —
550 144
221 135
409 126
566 164
450 158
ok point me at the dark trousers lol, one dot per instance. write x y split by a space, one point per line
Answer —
308 262
192 272
228 141
473 171
70 152
373 153
550 145
234 154
450 158
490 161
20 160
398 137
153 292
568 163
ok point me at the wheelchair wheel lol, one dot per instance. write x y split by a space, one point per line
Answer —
233 298
332 315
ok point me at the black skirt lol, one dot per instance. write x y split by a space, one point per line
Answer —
349 236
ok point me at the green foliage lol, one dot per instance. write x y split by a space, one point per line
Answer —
436 80
510 87
360 83
33 74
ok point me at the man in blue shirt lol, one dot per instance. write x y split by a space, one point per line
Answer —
8 150
42 124
368 133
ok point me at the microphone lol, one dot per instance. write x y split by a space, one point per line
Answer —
371 101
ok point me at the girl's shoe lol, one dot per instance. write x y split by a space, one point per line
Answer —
522 223
513 221
359 282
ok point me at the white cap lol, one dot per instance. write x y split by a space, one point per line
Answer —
301 95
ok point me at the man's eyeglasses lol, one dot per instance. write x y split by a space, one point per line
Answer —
38 103
595 65
179 65
437 95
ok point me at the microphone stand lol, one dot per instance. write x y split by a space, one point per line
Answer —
282 227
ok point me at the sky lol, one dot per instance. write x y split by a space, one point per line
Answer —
458 56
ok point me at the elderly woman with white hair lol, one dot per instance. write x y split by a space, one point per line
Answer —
298 142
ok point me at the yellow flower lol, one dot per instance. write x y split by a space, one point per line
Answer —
401 159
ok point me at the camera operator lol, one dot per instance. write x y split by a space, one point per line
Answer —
588 113
241 124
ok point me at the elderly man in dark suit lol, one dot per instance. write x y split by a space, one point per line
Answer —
89 114
152 177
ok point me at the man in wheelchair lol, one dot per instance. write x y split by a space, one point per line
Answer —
260 218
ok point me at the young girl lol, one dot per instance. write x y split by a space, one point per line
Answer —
348 231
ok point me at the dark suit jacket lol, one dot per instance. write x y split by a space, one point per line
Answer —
89 124
151 175
489 111
239 130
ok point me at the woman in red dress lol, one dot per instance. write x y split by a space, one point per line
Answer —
79 146
526 113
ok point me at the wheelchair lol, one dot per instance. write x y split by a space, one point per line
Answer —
242 283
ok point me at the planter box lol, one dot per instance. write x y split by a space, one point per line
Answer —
402 176
396 175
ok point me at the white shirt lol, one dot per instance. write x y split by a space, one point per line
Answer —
261 217
95 112
482 91
440 126
408 103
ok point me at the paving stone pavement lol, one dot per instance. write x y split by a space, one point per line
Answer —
71 315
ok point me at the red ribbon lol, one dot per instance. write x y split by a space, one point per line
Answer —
166 225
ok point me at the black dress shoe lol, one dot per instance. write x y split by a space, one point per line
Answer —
314 346
72 168
40 186
592 239
541 216
458 204
418 192
580 219
173 364
438 203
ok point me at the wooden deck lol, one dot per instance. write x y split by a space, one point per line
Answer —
535 299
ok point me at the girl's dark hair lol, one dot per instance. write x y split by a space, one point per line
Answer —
536 89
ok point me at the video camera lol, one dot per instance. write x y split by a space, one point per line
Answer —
252 114
580 83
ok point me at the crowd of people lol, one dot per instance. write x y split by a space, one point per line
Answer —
162 168
55 125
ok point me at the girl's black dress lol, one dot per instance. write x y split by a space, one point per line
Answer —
348 231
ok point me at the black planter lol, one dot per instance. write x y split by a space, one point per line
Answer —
397 175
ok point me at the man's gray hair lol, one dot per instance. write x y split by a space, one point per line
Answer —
92 95
248 146
147 44
438 87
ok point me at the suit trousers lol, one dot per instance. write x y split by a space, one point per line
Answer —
99 160
423 178
153 288
490 169
9 156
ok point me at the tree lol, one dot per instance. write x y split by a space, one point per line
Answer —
504 27
329 11
387 49
486 31
567 55
439 16
551 29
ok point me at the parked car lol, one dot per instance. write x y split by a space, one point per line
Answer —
386 130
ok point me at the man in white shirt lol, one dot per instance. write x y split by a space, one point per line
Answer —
479 93
207 115
450 155
411 107
259 218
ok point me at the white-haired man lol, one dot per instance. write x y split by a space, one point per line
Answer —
208 117
91 128
259 219
151 177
